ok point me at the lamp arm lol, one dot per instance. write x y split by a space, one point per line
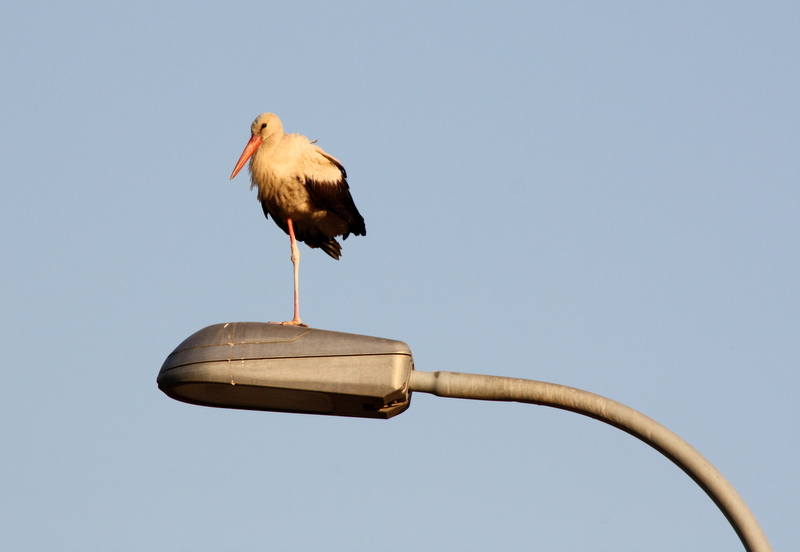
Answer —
496 388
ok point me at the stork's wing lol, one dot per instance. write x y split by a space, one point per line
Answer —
326 181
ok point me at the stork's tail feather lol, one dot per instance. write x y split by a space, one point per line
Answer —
332 248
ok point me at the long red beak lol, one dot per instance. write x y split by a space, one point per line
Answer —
249 150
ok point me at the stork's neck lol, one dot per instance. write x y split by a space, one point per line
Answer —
261 172
269 142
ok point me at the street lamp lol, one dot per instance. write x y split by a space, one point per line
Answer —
258 366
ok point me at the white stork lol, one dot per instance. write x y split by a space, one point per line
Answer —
302 188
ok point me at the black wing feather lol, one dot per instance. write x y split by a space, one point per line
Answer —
335 197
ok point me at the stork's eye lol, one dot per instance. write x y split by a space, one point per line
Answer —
263 126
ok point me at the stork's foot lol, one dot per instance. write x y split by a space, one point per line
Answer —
291 323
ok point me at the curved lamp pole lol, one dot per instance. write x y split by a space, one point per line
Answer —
496 388
259 366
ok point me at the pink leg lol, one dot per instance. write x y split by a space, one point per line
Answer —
296 264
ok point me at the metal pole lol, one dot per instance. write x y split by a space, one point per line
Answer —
496 388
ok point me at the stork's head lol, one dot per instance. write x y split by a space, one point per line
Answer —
263 128
266 125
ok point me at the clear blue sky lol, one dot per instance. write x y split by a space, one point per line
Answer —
598 195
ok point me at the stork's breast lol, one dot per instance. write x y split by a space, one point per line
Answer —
289 197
